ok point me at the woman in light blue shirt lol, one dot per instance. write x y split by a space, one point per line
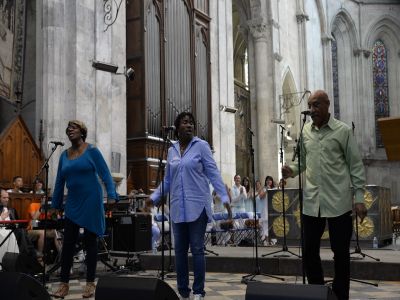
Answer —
190 168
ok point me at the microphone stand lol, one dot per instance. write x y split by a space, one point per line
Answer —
357 249
257 269
45 167
284 246
297 153
160 177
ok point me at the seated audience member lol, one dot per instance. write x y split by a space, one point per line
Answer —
38 187
37 235
7 214
238 195
18 183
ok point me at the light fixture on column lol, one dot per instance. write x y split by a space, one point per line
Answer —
109 67
103 66
228 109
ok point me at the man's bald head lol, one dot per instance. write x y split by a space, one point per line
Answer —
321 95
318 104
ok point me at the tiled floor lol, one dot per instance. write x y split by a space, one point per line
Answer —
222 286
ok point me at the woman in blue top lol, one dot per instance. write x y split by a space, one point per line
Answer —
80 168
190 168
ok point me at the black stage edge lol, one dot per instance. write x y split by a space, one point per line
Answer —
360 269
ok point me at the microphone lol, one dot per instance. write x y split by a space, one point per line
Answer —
169 128
57 143
306 112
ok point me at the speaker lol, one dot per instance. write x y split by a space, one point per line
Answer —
22 287
132 233
268 291
133 288
20 262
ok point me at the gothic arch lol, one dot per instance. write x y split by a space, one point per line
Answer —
345 36
343 24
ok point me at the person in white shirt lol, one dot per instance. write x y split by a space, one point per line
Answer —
6 214
18 184
239 195
263 200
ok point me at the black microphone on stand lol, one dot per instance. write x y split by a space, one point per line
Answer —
169 128
57 143
306 112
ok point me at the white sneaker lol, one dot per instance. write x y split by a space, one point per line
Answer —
198 297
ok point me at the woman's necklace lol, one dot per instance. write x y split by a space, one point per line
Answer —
182 147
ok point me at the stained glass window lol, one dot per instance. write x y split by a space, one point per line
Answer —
335 77
381 91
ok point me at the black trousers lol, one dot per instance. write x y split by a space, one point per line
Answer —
71 234
340 231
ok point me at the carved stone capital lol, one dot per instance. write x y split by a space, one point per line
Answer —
357 51
258 28
274 23
302 17
278 57
326 38
365 52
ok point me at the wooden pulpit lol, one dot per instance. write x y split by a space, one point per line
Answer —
390 128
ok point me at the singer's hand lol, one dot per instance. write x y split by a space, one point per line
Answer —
287 172
229 210
111 203
361 211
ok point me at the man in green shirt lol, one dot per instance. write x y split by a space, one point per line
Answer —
333 165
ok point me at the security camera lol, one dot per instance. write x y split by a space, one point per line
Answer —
130 73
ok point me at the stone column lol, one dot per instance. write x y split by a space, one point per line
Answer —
265 141
301 18
51 47
222 87
327 58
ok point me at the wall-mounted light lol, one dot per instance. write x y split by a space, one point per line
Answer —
278 121
130 73
108 67
228 109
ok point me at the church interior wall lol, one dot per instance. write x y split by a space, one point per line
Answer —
356 27
350 22
70 36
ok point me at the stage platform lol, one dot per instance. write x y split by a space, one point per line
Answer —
241 260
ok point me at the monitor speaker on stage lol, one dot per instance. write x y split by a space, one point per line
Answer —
132 233
133 288
22 287
267 291
20 262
